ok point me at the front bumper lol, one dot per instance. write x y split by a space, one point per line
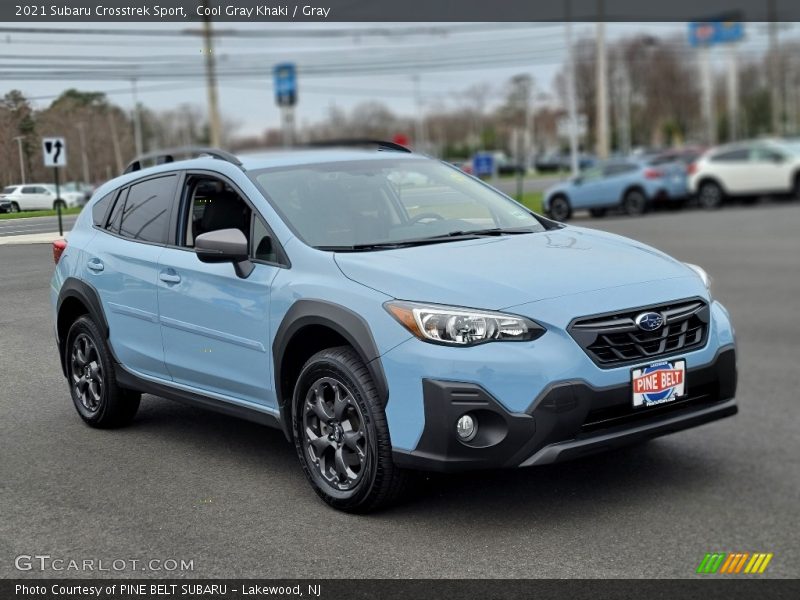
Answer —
568 419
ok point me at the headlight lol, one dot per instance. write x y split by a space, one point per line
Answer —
701 272
456 326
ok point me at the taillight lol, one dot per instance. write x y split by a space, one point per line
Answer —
58 249
691 169
653 174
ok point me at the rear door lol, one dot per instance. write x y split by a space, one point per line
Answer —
122 264
215 324
590 190
733 169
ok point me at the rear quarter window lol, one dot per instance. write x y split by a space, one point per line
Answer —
100 209
148 206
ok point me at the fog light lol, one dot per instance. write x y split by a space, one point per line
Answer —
467 428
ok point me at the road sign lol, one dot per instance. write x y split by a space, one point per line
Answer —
55 152
285 84
709 33
483 164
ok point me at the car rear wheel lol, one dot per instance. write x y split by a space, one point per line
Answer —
797 187
341 435
14 207
560 210
100 402
710 195
634 203
598 213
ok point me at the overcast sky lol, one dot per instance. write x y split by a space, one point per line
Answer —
340 70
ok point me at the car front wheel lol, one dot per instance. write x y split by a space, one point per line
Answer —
14 207
341 435
100 402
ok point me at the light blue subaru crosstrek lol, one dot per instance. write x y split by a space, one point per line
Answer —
386 311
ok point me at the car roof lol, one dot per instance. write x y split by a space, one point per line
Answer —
292 157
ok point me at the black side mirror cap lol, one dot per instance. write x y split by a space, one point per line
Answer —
225 245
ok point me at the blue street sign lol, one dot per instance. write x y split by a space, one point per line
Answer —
483 164
285 84
708 33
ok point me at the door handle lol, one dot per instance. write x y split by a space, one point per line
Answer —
169 277
95 265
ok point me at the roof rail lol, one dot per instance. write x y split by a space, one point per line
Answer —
161 157
382 145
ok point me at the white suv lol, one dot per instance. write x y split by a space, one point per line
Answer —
746 169
39 196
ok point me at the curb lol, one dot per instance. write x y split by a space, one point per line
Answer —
30 238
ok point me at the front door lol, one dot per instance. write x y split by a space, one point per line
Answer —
215 324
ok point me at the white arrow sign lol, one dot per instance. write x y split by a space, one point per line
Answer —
55 152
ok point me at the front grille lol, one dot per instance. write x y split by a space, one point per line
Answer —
614 339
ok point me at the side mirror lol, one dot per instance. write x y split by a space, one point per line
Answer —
225 245
778 158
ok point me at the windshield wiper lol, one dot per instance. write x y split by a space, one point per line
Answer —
451 236
493 231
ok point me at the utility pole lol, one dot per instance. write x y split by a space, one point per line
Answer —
602 142
623 112
419 123
137 120
84 156
112 126
774 73
733 93
707 95
211 82
20 139
571 108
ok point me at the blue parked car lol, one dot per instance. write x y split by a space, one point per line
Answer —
630 184
386 311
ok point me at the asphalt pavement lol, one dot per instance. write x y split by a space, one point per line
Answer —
28 225
182 483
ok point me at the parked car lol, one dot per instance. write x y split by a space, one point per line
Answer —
305 291
554 162
39 196
746 169
632 185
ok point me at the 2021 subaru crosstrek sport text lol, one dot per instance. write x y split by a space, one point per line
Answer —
386 311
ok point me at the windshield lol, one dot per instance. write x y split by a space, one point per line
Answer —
345 205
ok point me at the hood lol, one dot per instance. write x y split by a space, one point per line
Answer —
495 273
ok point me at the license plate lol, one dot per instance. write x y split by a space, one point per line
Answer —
658 383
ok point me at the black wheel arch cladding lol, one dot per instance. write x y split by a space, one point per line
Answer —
75 298
346 324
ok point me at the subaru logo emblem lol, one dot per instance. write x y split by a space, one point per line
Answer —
649 321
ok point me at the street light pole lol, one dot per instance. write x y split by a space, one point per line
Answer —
19 139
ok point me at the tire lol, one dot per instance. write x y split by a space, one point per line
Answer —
796 190
355 476
710 195
100 402
560 209
60 203
634 203
14 207
598 213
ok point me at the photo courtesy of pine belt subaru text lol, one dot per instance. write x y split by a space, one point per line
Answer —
388 312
